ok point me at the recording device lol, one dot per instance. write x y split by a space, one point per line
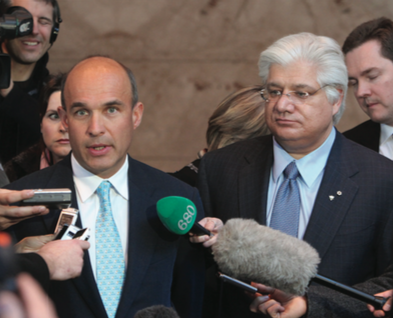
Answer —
72 232
67 216
249 251
15 23
51 198
237 283
178 214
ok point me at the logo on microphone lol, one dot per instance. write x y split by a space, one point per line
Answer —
187 218
24 27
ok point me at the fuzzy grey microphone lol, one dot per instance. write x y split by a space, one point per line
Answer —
247 250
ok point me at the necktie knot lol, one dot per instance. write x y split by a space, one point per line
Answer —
286 209
103 190
291 171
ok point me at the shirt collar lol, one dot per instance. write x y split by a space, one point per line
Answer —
309 166
87 182
386 132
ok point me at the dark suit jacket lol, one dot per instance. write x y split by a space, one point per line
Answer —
324 303
352 233
35 265
366 134
151 258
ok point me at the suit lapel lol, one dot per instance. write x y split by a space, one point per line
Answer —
254 181
334 198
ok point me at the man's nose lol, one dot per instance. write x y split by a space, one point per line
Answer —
362 89
284 103
96 127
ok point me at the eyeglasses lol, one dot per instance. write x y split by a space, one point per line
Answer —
296 97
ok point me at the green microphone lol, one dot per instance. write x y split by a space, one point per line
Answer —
178 214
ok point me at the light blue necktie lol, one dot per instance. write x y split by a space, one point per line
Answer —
109 253
286 209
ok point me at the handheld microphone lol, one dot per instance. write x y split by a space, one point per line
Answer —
247 250
178 214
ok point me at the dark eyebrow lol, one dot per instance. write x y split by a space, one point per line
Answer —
369 70
77 104
115 102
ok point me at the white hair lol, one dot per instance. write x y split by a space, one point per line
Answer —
323 52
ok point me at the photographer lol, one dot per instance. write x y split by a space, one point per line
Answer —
19 118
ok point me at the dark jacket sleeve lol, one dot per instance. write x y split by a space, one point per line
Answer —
19 123
35 265
326 303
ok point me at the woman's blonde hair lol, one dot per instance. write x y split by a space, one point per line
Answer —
239 116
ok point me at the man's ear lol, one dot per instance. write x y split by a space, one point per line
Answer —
63 116
137 113
337 105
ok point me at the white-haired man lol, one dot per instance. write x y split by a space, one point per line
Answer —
306 179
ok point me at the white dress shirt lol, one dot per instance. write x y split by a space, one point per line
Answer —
86 185
386 141
311 169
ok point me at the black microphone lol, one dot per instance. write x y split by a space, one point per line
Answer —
247 250
157 311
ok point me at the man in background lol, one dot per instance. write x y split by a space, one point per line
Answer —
369 58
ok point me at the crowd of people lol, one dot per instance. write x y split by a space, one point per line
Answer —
273 155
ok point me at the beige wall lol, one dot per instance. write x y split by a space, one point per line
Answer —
187 55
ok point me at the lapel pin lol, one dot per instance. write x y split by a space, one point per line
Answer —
339 193
331 197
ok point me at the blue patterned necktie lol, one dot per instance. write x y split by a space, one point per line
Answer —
109 253
286 210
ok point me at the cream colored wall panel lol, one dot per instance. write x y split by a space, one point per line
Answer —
187 55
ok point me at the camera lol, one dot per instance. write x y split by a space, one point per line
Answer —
15 23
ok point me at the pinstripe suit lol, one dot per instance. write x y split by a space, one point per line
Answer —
352 233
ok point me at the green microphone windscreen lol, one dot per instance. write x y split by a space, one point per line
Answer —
177 214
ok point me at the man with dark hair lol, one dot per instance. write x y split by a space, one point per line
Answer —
369 58
19 118
130 266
